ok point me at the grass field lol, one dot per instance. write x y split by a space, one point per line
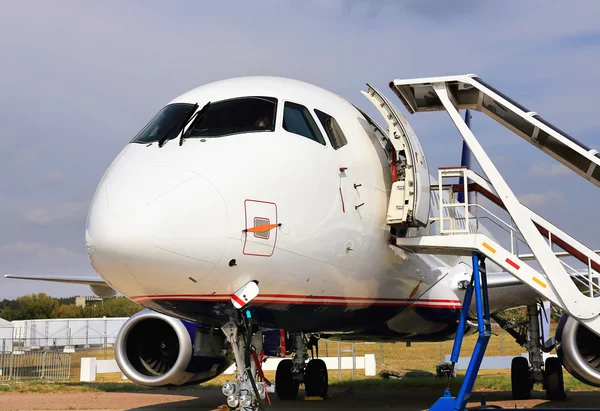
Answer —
391 356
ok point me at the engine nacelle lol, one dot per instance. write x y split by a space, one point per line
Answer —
578 349
156 350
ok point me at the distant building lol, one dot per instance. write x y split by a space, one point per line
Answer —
81 301
4 323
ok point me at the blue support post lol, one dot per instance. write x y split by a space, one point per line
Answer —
478 287
462 323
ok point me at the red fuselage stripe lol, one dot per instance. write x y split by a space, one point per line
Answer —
295 297
262 300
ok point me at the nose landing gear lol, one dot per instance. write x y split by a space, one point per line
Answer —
248 392
246 340
243 333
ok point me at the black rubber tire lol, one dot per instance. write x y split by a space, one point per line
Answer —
316 379
520 378
286 387
553 375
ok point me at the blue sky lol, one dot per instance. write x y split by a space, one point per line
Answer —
79 79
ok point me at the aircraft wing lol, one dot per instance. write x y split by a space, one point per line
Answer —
497 280
97 284
61 279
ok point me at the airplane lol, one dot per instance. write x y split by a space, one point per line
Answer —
249 217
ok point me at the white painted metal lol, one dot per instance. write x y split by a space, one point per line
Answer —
244 295
409 197
450 208
577 304
465 244
469 92
553 231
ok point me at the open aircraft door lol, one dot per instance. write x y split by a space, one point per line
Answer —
410 193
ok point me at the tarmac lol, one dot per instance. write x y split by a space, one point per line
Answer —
363 399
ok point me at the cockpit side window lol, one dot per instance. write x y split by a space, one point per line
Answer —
239 115
332 129
298 120
165 124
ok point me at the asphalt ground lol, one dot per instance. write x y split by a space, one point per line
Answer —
349 399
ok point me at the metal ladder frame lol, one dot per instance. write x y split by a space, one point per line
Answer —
557 285
477 287
578 305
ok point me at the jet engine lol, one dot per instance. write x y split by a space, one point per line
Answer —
578 349
153 349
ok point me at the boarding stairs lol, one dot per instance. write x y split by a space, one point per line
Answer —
572 290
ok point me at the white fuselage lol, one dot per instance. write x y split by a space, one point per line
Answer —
166 225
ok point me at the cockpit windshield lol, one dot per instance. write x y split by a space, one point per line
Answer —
239 115
166 124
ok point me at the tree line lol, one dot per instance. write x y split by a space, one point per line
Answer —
41 306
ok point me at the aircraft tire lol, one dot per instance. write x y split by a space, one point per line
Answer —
316 379
553 375
286 387
520 378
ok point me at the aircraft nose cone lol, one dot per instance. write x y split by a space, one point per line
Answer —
156 227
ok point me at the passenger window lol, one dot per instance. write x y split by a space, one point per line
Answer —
297 120
333 130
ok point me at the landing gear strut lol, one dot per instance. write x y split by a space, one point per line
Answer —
245 338
247 393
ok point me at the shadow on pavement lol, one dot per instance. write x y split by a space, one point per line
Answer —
365 399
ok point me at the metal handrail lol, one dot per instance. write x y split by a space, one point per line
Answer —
515 238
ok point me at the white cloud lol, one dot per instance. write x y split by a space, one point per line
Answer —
63 212
540 199
549 170
39 251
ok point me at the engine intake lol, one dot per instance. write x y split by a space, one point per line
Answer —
156 350
578 349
